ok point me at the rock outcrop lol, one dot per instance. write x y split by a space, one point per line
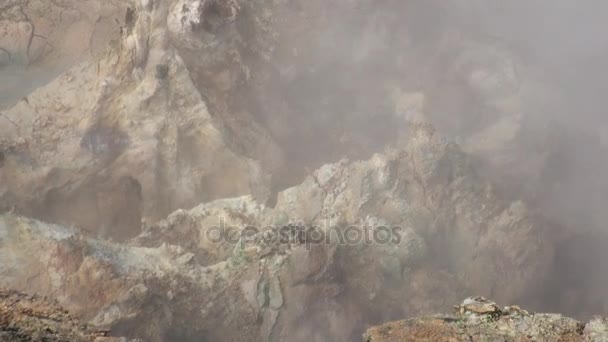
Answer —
194 101
407 230
478 319
32 318
253 170
120 138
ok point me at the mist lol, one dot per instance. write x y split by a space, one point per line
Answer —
529 75
519 86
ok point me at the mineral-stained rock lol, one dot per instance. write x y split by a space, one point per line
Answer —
351 233
195 100
263 169
33 318
107 120
495 324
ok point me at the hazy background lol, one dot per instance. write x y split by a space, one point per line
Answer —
520 84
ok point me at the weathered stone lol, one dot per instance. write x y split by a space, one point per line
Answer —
210 286
492 324
33 318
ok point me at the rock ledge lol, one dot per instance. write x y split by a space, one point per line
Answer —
478 319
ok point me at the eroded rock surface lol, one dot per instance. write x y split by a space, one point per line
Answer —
478 319
409 230
168 141
119 138
32 318
34 31
40 39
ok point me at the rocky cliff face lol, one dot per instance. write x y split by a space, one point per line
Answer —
408 230
252 170
119 138
198 100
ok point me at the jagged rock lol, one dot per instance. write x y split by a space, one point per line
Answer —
223 116
596 330
113 119
478 319
356 231
478 306
203 101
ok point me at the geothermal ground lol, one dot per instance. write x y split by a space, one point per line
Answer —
290 170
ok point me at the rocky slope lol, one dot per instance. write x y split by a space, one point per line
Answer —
199 100
31 318
109 133
250 170
276 90
407 230
478 319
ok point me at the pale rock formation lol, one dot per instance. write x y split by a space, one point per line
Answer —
39 39
48 32
223 103
309 265
115 140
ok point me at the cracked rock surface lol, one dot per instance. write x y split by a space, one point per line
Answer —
123 137
39 39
